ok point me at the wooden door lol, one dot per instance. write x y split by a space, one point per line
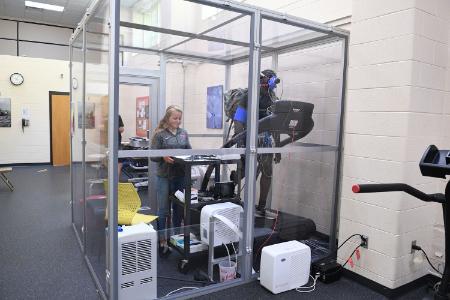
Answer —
60 128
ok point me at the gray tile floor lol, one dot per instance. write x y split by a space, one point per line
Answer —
40 258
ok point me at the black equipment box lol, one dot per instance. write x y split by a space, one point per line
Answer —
328 270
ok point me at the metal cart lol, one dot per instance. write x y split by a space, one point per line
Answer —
188 162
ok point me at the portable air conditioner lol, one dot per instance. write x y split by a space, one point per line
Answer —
137 262
226 229
285 266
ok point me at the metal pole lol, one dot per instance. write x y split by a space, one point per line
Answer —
83 140
226 125
269 195
225 89
338 155
275 61
252 129
71 133
162 86
441 293
113 146
153 106
183 66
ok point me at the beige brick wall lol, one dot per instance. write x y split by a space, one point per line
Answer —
396 91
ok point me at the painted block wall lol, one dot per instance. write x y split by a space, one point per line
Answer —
395 99
32 145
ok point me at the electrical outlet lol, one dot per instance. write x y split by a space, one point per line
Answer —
365 241
413 243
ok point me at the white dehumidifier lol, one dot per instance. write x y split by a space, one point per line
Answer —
137 262
285 266
226 229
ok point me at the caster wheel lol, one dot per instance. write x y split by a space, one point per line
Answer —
183 266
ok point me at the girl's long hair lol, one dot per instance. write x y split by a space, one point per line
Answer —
164 122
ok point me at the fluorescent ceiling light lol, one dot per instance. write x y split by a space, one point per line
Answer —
44 6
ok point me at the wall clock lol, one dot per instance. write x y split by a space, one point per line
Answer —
74 83
16 78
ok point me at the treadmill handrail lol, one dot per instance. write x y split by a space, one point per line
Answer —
397 187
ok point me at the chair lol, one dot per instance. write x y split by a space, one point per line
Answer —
129 204
128 207
5 179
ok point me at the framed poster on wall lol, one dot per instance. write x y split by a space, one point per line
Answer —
89 117
142 115
5 112
214 107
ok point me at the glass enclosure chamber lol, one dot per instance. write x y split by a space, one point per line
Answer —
278 172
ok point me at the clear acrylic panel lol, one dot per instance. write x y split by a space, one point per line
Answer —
135 104
236 28
299 198
136 60
280 35
171 280
197 88
171 43
96 107
146 39
210 49
239 72
314 75
134 109
303 127
77 135
209 34
174 14
160 268
170 272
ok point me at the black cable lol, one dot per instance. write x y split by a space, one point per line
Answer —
356 234
351 255
416 247
426 256
186 280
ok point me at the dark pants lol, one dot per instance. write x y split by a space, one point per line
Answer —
164 188
265 166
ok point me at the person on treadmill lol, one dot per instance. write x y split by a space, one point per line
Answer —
268 82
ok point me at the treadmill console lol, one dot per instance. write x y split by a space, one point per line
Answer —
435 162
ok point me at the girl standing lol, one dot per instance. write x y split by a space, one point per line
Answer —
170 176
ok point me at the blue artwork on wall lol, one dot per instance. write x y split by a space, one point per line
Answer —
214 107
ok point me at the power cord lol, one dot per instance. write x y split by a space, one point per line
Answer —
183 280
229 256
348 259
273 230
308 289
235 253
415 247
182 288
353 235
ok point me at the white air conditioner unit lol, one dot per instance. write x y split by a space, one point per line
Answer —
226 227
285 266
137 262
